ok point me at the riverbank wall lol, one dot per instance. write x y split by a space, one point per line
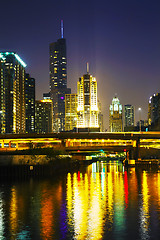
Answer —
35 165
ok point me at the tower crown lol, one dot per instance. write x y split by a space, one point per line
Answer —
3 56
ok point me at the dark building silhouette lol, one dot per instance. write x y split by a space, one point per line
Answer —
44 116
58 81
30 103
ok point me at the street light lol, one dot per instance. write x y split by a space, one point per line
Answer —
139 109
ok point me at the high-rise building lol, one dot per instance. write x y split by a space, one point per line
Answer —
58 81
100 116
149 111
115 116
44 116
129 116
154 112
87 109
71 103
30 103
12 93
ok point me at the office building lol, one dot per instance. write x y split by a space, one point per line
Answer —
44 116
115 116
154 112
12 93
149 111
87 110
30 103
58 81
129 116
71 103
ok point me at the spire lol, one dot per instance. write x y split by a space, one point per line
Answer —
87 68
61 28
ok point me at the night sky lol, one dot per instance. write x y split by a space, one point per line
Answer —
120 40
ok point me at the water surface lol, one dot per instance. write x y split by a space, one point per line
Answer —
101 201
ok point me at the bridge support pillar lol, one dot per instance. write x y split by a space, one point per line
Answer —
131 154
63 143
137 150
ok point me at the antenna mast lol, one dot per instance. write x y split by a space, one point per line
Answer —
61 28
87 67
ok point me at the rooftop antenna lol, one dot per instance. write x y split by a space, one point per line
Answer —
61 28
87 67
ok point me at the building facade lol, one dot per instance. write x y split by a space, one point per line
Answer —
115 116
100 116
44 116
129 116
87 110
58 81
154 112
12 93
71 103
30 103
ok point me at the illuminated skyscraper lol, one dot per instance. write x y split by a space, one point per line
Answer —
128 115
12 93
115 116
154 112
44 116
71 102
58 81
87 110
30 103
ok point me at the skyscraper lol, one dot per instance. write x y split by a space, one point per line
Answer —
87 110
71 101
30 103
128 115
12 93
154 112
115 116
58 81
44 116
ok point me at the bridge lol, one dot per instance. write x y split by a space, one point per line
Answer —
131 142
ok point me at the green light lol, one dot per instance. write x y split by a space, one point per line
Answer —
4 54
20 60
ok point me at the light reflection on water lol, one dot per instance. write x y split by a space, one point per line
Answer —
102 201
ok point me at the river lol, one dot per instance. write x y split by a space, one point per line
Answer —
100 201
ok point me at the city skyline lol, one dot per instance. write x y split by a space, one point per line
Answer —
119 40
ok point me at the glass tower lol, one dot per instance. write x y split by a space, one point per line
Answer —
128 115
30 104
58 81
12 93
